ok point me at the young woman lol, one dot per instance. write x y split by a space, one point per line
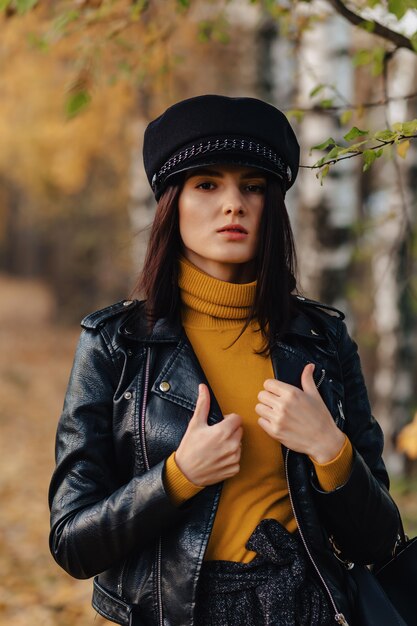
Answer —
217 461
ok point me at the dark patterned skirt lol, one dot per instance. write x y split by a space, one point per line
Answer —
277 588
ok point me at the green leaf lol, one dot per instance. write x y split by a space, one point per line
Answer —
375 56
367 25
213 30
323 173
4 4
77 102
378 56
385 135
398 7
362 57
409 128
413 39
355 148
25 5
354 133
345 117
323 146
184 4
38 42
316 90
334 152
137 8
327 103
296 114
66 18
369 157
320 162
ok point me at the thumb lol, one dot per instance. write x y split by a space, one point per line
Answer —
307 380
202 406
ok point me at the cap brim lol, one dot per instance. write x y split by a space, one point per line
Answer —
218 160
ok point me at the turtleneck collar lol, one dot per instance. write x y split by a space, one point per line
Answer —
212 302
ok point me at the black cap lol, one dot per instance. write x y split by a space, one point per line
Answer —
217 129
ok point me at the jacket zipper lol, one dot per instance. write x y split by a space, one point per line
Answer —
143 409
143 446
158 557
339 617
341 412
322 375
158 580
339 402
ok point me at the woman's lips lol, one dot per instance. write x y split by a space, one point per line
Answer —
233 232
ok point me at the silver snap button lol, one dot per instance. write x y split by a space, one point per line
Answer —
165 386
127 395
127 331
127 302
129 352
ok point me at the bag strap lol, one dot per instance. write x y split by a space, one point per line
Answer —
402 538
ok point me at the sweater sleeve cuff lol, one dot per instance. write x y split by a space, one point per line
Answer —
335 472
179 488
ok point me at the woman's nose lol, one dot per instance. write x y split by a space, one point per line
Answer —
232 204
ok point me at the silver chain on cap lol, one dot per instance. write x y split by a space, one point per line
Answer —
221 145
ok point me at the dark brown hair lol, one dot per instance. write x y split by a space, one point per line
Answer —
276 264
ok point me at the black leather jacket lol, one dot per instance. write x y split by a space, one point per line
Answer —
128 403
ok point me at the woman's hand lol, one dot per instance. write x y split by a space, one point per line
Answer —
209 454
299 419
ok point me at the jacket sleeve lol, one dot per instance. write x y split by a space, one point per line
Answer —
360 514
96 520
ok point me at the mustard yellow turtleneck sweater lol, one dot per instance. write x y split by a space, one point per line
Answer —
213 313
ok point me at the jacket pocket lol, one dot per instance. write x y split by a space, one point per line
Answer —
110 606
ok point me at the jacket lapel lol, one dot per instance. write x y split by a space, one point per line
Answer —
179 379
288 362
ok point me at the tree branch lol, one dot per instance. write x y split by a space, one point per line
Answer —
355 153
316 108
399 40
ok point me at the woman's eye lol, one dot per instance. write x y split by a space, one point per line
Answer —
255 188
205 185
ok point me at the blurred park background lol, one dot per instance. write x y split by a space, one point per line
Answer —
79 81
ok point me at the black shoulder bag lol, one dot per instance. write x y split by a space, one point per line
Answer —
398 577
386 595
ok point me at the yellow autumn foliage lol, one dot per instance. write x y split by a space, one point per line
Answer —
407 439
131 68
40 147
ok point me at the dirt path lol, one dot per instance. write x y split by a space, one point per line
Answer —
35 360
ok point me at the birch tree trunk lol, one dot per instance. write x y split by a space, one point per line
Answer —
390 206
325 214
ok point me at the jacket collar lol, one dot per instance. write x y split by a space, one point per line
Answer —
302 325
166 331
134 327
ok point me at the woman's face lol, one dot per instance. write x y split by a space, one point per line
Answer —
220 210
